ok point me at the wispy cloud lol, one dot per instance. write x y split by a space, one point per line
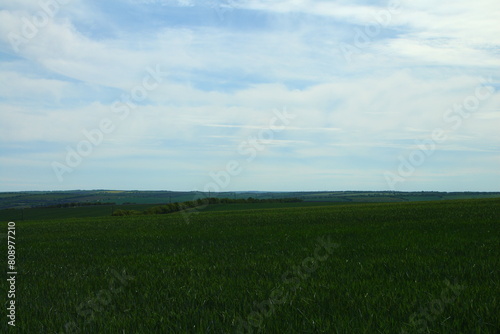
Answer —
226 70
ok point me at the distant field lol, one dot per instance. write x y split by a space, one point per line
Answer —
260 206
380 197
66 213
106 210
429 267
37 199
28 205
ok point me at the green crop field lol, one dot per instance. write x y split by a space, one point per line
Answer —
66 213
259 206
418 267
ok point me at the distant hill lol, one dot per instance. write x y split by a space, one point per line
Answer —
33 199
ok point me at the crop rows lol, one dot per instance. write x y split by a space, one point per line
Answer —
262 271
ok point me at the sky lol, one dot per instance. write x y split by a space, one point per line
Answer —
250 95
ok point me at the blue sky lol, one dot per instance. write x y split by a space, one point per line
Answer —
250 95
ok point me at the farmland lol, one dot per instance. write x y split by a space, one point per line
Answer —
32 199
39 205
428 267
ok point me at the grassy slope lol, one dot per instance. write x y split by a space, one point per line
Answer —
260 206
36 199
67 213
201 276
105 210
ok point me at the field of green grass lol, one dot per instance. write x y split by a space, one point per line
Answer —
67 213
419 267
260 206
34 199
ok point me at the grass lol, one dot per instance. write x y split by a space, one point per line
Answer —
106 210
67 213
19 200
210 275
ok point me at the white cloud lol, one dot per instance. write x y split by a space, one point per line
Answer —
225 79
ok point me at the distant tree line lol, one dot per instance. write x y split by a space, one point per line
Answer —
75 204
176 207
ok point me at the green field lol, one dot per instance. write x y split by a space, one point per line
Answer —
65 213
35 199
39 205
420 267
260 206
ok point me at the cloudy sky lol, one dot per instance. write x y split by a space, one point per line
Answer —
250 95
